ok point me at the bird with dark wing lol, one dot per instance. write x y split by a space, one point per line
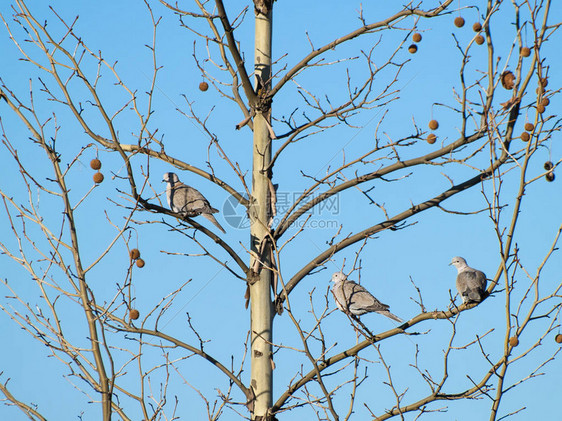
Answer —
187 200
351 297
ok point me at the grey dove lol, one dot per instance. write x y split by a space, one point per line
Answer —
188 201
351 297
471 283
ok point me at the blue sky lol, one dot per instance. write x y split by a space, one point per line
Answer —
213 297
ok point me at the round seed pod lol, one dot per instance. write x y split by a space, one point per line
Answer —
98 177
529 127
413 49
95 164
416 37
459 22
544 82
479 39
508 80
140 263
540 108
558 338
135 254
525 52
203 86
514 341
548 165
550 176
545 102
477 27
431 138
433 125
525 137
134 314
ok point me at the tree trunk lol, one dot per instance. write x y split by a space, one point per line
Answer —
260 285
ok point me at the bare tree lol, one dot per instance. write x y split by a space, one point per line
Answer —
130 359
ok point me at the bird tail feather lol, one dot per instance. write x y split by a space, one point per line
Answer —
475 295
390 316
211 218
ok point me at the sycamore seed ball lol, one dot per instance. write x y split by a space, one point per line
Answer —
477 27
545 102
134 314
431 138
433 124
550 176
140 263
479 39
508 80
525 52
514 341
529 127
548 165
413 48
95 164
540 108
416 37
135 254
558 338
525 137
98 177
459 22
203 86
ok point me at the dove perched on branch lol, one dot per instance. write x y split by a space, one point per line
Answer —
471 283
188 201
352 298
